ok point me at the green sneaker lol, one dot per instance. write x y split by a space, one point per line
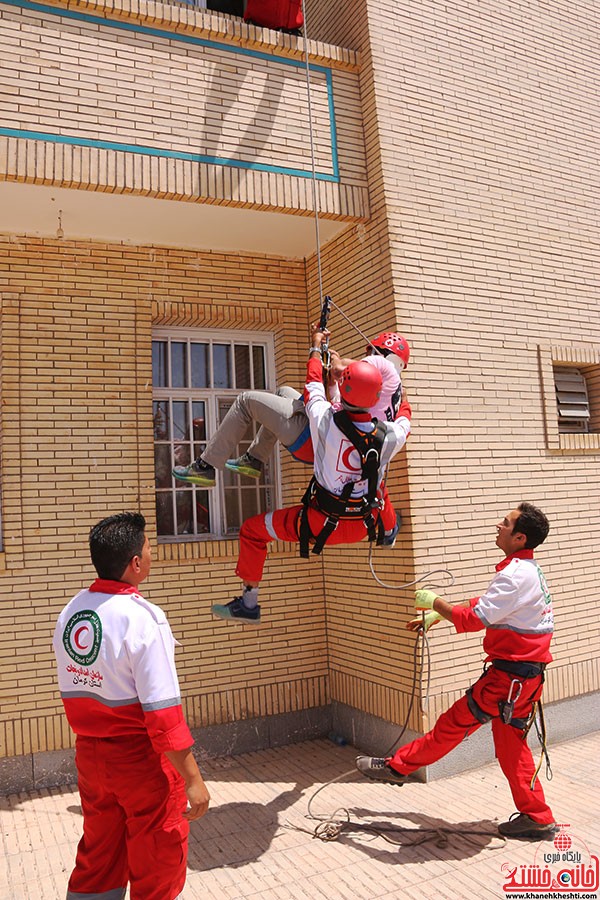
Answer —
236 610
245 465
198 472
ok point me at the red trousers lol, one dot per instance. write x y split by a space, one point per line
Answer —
512 750
282 525
133 831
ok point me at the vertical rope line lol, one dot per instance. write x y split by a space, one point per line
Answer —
315 196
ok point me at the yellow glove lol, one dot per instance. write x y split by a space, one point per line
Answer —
424 599
431 617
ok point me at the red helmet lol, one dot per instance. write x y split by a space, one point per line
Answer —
360 385
392 342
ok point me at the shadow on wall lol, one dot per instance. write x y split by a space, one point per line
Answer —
217 103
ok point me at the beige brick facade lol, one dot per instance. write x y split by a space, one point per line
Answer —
469 199
486 200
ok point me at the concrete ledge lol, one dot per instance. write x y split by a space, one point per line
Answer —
258 734
565 720
56 768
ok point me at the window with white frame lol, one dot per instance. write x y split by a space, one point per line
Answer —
196 376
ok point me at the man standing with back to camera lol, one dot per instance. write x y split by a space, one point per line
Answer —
118 684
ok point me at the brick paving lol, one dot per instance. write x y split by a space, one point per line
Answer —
257 843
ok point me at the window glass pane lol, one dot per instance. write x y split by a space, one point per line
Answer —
181 429
162 465
202 512
164 513
178 364
232 510
182 454
222 366
160 416
185 521
200 373
159 363
260 375
249 503
242 367
199 420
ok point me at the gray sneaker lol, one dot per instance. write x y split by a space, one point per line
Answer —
377 769
198 472
245 465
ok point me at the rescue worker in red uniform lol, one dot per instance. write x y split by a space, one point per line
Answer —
118 684
335 509
516 613
282 416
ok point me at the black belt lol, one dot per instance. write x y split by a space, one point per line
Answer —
521 669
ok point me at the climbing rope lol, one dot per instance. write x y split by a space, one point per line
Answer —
330 827
315 192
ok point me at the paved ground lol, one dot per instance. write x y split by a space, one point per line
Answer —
257 842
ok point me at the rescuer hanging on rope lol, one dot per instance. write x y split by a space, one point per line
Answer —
516 612
344 500
282 416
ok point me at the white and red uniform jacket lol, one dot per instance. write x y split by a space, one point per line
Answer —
516 611
337 461
116 667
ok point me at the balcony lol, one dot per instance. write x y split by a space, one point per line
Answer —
160 124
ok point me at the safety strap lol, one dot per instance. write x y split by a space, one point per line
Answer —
542 736
477 712
335 507
520 669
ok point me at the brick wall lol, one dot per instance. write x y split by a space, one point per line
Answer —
77 445
484 199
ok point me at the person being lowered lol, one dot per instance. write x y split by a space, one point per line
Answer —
342 504
282 416
516 613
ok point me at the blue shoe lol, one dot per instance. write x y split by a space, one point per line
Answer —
245 465
236 610
389 538
377 769
198 472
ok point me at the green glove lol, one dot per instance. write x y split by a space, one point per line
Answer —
424 599
431 618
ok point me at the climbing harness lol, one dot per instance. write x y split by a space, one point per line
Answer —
342 506
521 671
